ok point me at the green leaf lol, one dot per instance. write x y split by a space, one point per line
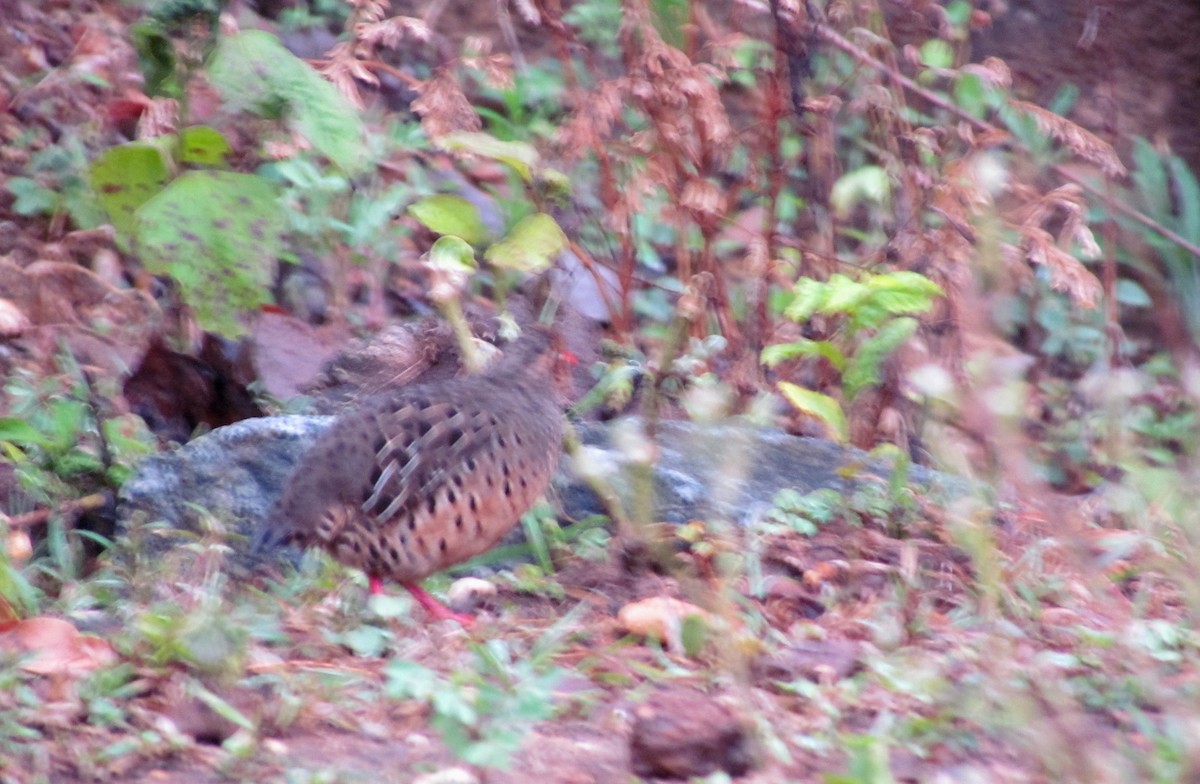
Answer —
958 12
936 53
126 177
535 535
862 370
773 355
693 633
808 296
20 432
1187 192
970 94
452 254
1150 175
530 247
822 407
156 58
903 291
33 198
218 234
521 157
409 680
451 704
16 589
203 145
843 295
65 420
255 72
366 641
1131 294
445 214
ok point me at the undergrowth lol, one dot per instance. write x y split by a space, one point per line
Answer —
884 237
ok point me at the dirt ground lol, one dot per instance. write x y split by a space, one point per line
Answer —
1138 66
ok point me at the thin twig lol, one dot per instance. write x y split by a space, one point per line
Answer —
39 516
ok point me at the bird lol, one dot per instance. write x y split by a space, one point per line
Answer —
426 476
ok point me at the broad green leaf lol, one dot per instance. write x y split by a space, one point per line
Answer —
862 370
522 157
20 432
218 234
530 247
255 72
773 355
203 145
452 254
126 177
823 407
866 184
445 214
808 296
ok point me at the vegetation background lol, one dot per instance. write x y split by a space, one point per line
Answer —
960 235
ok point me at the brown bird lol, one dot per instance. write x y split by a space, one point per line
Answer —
424 477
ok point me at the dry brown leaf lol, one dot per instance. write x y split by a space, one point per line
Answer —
1082 142
824 572
57 647
13 321
443 107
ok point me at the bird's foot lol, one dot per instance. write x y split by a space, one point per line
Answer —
435 608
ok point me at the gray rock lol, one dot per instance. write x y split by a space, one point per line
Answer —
235 473
732 471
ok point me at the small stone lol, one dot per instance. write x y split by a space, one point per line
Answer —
682 732
448 776
659 617
466 592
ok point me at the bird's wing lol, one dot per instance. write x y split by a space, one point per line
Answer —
425 444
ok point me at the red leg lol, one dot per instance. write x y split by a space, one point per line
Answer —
435 608
375 585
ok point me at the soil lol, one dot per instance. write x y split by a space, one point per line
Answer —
1138 66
